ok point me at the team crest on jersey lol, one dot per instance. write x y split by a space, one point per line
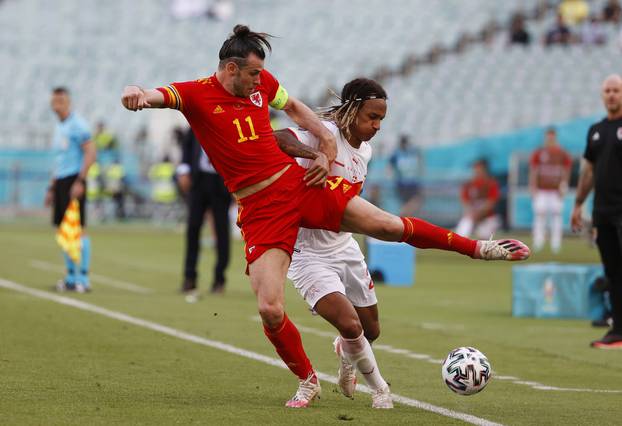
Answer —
596 136
256 99
619 133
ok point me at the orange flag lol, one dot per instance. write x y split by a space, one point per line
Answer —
69 232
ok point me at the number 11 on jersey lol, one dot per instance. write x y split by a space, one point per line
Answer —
243 138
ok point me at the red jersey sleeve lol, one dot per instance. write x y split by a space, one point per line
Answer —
493 190
176 95
464 194
533 161
567 160
270 83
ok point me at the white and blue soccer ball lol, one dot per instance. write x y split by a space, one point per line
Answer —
466 371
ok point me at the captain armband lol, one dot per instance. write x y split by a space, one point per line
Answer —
280 99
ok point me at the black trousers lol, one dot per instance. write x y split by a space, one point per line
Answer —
62 189
208 192
609 241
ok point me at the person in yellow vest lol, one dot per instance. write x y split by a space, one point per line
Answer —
163 188
115 187
94 189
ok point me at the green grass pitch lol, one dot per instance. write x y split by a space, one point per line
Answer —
61 365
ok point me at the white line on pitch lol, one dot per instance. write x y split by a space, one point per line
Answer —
428 358
101 279
468 418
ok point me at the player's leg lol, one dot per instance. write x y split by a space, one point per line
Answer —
539 220
465 226
83 284
556 207
267 275
609 242
220 208
61 202
197 205
362 217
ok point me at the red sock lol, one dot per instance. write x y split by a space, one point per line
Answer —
422 234
288 343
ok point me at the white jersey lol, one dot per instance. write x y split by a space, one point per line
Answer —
351 164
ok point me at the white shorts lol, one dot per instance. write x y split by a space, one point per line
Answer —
548 202
344 272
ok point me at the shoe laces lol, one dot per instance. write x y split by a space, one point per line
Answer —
306 389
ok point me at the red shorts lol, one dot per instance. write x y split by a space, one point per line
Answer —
271 217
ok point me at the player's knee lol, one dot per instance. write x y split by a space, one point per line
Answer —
271 314
372 332
350 327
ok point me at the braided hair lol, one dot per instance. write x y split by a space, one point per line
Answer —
242 43
353 95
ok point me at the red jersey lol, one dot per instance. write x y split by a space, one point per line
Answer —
235 132
478 191
550 165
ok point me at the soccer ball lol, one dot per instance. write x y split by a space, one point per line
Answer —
466 371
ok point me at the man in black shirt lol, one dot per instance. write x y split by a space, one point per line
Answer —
206 190
601 169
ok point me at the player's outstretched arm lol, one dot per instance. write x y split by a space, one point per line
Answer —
136 98
290 145
306 118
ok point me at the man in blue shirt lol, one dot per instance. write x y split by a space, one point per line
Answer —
74 153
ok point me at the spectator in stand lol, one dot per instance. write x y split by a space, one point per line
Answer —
574 12
221 10
518 32
479 199
406 164
593 32
612 11
559 34
549 173
106 144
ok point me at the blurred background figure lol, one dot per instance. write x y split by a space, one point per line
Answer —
549 173
163 189
407 163
574 12
205 190
479 198
593 32
115 187
518 32
74 154
221 10
106 144
611 11
559 33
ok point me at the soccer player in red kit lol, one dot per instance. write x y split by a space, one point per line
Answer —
228 113
479 196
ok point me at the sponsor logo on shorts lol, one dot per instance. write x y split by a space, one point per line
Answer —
371 284
251 249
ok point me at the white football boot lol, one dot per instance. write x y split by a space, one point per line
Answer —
507 249
381 399
308 390
346 373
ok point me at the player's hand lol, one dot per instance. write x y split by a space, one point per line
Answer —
134 98
328 145
576 220
49 197
316 174
184 182
77 190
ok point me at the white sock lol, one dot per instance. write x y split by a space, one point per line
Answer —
359 353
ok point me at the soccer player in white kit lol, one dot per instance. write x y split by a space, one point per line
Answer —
328 269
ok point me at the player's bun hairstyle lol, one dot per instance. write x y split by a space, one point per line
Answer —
242 43
353 95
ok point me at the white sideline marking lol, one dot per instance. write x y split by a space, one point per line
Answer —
468 418
101 279
428 358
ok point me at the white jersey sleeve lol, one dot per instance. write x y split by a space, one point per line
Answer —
309 139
